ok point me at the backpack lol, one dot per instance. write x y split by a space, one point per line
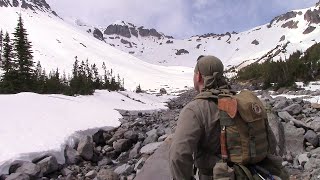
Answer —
244 140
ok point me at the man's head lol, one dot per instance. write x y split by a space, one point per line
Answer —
207 73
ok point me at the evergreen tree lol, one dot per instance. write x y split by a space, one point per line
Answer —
1 45
7 63
9 78
24 57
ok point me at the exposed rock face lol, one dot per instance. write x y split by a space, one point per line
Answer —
290 24
312 16
282 38
309 30
123 41
169 42
182 51
255 42
149 32
41 5
283 17
98 34
118 30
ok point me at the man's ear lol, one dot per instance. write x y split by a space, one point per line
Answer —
199 77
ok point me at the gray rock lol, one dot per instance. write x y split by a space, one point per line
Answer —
294 138
98 34
107 174
100 137
85 148
15 165
312 164
125 169
278 106
163 91
18 176
150 148
151 132
285 163
71 155
131 135
134 153
303 158
91 174
105 161
66 171
312 138
315 124
162 138
152 136
122 145
140 164
48 165
30 169
288 118
278 144
293 109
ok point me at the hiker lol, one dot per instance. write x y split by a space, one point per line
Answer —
196 145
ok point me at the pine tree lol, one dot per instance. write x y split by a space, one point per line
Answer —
24 57
7 61
9 78
1 45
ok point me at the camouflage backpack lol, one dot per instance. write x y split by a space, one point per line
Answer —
244 140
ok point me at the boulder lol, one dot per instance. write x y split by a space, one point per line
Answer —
122 145
18 176
107 174
100 137
134 153
287 118
91 174
71 155
294 138
278 106
66 171
150 148
278 144
293 109
312 138
124 169
48 165
315 124
313 163
30 169
105 161
85 148
303 158
131 135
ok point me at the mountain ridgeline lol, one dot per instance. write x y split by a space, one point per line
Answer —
278 39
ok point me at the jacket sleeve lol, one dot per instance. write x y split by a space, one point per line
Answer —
184 144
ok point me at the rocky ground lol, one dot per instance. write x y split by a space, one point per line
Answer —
121 152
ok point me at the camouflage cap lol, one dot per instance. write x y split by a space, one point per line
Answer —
209 65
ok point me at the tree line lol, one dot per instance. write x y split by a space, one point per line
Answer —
304 67
20 74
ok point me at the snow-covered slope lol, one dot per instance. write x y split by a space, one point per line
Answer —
56 43
295 30
28 129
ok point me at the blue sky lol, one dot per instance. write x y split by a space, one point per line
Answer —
180 18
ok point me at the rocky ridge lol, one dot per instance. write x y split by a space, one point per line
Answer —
34 5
